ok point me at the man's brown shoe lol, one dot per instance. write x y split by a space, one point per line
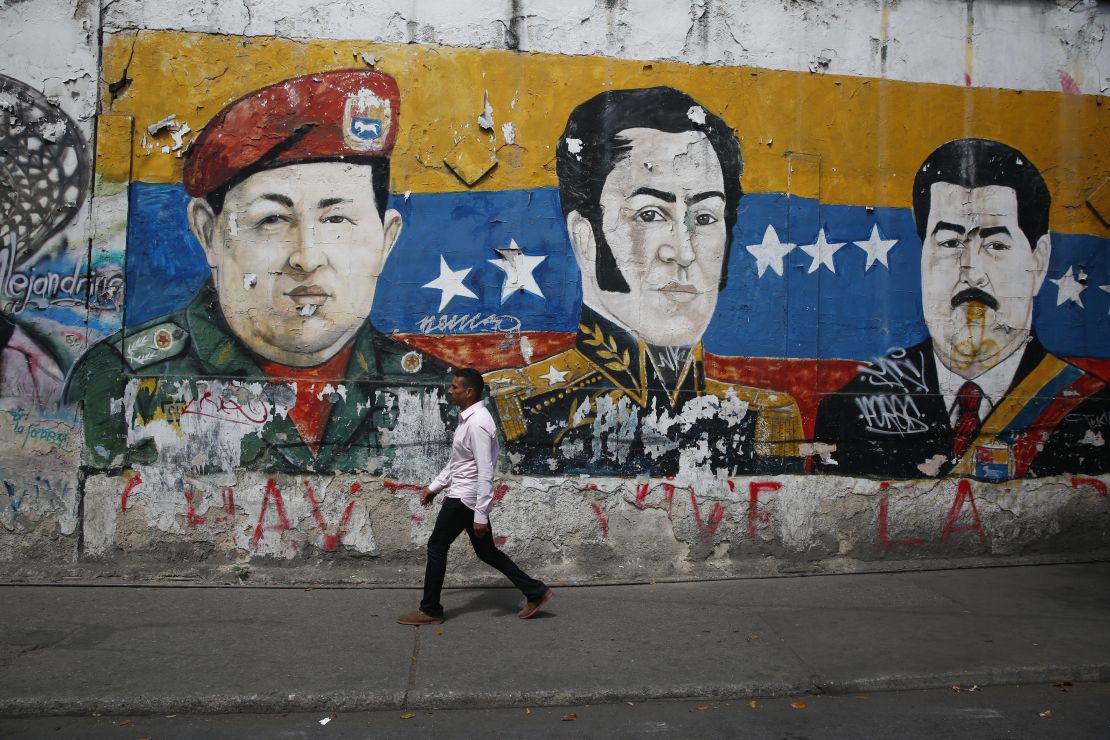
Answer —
532 607
417 618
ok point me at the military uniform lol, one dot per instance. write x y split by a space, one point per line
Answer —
161 370
602 408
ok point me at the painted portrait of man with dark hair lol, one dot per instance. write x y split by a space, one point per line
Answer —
649 182
980 396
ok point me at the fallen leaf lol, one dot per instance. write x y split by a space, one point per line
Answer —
753 638
569 717
527 711
1047 714
333 715
703 707
439 632
798 704
408 716
170 716
863 698
956 689
122 722
753 704
974 688
412 658
1061 684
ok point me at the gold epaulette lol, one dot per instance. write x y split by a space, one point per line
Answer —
511 388
778 430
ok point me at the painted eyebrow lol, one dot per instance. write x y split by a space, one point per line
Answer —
991 231
668 197
945 226
328 202
277 198
706 195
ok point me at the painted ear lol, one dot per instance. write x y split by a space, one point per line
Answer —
581 233
202 222
392 225
1042 255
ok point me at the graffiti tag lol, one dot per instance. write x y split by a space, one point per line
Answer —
39 430
461 323
224 409
891 414
897 371
102 290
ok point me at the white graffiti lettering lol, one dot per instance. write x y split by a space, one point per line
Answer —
896 371
461 323
18 288
891 414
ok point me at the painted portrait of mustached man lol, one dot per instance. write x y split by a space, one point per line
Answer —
980 397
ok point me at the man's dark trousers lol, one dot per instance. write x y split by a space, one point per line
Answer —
454 517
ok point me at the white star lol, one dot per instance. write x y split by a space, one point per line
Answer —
770 251
450 283
822 253
518 268
1107 289
876 248
1068 288
553 376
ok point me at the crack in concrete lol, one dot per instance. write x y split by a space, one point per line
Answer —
411 683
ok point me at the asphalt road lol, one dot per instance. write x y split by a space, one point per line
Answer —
1039 711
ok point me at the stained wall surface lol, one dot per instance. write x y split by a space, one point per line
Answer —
755 287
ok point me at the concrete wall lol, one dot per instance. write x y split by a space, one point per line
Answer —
774 388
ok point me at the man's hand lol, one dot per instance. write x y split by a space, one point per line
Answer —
480 530
426 497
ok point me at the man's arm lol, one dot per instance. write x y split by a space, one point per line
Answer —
436 485
484 446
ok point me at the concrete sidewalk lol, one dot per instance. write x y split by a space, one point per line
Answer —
134 650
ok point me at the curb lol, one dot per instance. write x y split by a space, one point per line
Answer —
354 702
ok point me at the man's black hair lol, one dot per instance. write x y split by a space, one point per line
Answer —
471 378
379 179
594 127
977 163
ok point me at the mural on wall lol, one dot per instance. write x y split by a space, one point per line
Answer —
649 182
304 271
642 318
273 365
980 397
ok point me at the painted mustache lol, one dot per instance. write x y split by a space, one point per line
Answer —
975 294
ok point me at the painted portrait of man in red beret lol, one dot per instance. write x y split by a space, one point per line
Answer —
274 361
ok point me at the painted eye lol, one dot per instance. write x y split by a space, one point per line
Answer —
271 220
951 244
705 219
649 215
996 246
336 219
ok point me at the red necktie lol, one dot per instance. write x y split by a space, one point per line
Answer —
969 398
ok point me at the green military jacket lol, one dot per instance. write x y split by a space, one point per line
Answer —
601 407
166 368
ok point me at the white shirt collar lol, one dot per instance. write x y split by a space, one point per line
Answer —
469 410
993 383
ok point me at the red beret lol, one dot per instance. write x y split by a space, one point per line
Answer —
346 112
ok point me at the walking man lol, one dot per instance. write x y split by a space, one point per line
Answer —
468 476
